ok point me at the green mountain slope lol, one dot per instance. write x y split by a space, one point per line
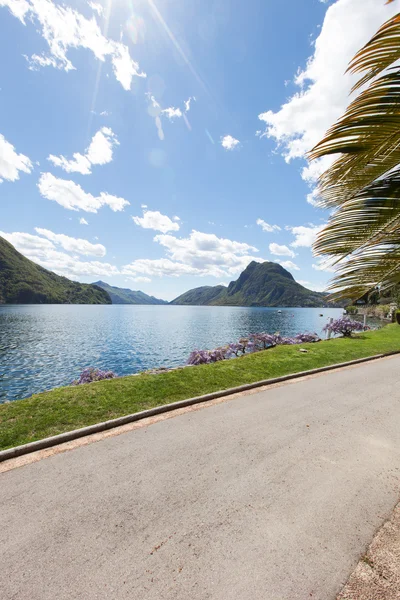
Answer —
201 296
260 284
24 282
126 296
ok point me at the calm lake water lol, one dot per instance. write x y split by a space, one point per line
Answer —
44 346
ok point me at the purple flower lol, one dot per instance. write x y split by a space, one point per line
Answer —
345 326
91 374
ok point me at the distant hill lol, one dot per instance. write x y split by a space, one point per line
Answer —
260 284
126 296
201 296
24 282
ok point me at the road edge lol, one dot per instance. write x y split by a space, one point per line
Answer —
157 410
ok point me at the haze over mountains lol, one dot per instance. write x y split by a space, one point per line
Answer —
260 284
127 296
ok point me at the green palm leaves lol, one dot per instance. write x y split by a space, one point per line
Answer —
363 184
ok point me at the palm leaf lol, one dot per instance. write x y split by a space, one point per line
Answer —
368 138
378 266
368 218
380 52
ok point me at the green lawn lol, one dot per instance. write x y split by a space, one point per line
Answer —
67 408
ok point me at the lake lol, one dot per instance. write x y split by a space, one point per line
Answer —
45 346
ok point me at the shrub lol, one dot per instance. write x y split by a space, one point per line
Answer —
345 326
398 316
262 341
351 310
254 343
199 357
204 357
91 374
304 338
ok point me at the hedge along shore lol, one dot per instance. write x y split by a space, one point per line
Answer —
67 408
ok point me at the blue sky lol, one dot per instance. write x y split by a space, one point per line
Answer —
109 172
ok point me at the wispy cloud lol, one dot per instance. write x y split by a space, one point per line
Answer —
267 227
64 28
70 195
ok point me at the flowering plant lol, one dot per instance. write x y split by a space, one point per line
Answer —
91 374
254 343
345 326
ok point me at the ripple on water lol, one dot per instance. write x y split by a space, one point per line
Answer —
45 346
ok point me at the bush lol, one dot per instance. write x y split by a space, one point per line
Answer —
397 313
345 326
91 374
351 310
254 343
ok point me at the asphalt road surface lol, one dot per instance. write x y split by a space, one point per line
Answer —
273 495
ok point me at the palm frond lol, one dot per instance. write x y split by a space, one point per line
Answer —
363 272
379 53
368 138
370 217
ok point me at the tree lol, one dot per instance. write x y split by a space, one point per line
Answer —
363 184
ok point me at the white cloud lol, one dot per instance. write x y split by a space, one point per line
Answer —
64 28
83 221
143 206
200 254
187 103
172 112
323 88
99 152
95 6
267 227
71 244
153 219
324 264
229 143
11 163
70 195
318 287
304 236
281 250
43 251
208 254
18 8
159 267
288 264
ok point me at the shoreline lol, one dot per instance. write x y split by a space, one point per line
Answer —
66 408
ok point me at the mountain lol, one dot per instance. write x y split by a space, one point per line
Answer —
260 284
24 282
126 296
201 296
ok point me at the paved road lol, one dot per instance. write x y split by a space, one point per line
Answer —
269 496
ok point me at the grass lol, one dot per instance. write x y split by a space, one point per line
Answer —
66 408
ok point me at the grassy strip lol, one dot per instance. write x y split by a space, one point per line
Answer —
63 409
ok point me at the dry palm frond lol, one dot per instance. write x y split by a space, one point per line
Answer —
363 183
368 138
380 52
373 267
368 218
